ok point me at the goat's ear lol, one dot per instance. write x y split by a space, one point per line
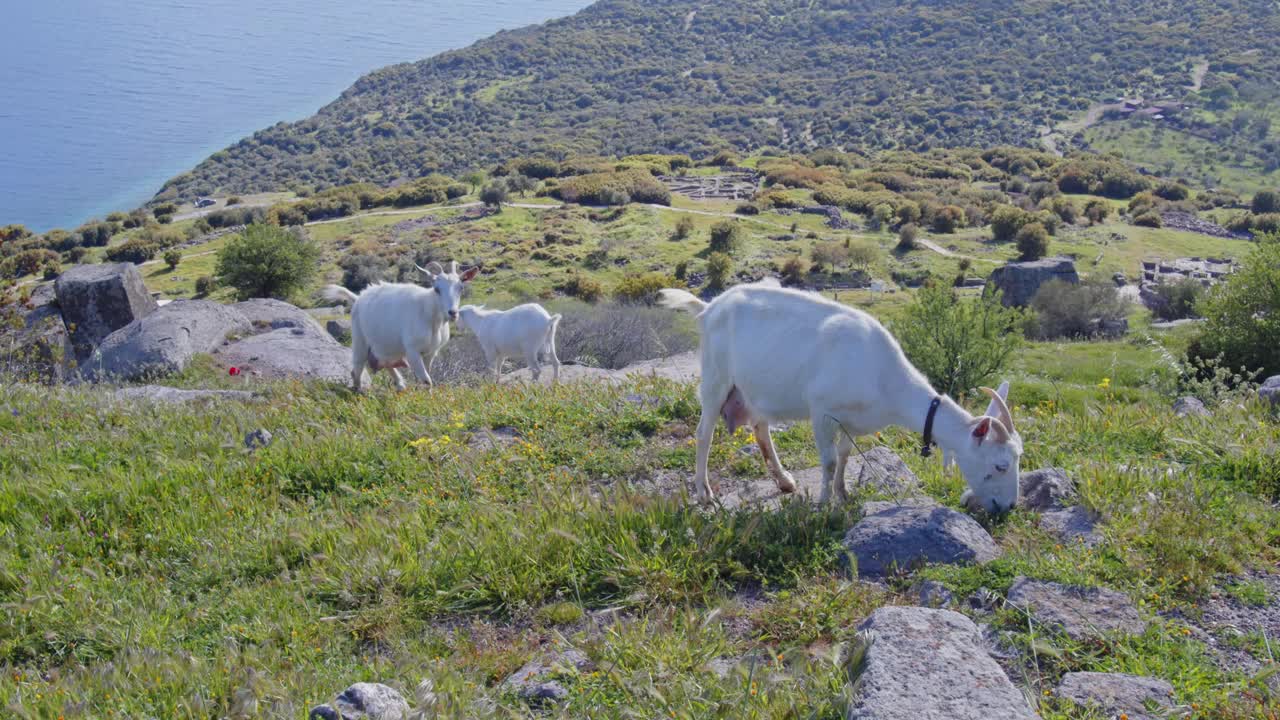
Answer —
981 428
469 274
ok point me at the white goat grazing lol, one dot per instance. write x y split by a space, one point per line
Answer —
770 354
523 330
394 325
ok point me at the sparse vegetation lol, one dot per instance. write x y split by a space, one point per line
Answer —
959 344
267 261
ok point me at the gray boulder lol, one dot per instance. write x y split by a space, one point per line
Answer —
35 344
1270 390
535 682
269 314
165 341
97 300
1046 489
899 537
340 329
932 594
1080 612
922 663
364 701
290 352
1184 406
162 394
1020 281
1117 694
1074 524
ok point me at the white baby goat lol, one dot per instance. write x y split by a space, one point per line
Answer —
524 330
397 324
770 354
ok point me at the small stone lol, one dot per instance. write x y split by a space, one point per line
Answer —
534 683
1185 406
364 701
1046 489
1074 524
932 594
1080 612
1118 694
340 330
259 438
903 536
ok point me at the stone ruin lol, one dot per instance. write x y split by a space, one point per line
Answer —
736 185
1208 270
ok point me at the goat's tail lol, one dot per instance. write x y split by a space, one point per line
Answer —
549 342
337 293
682 300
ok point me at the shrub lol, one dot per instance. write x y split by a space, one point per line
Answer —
719 266
136 250
1006 221
13 233
539 168
26 262
287 215
959 344
1097 211
1241 325
96 234
1150 218
746 209
233 200
1268 224
1177 300
684 226
793 270
595 188
863 255
1171 191
1064 209
267 261
726 237
167 208
172 258
1033 241
231 217
1072 310
583 288
76 255
643 288
830 254
682 270
1266 201
881 216
205 285
615 336
907 237
51 270
362 269
494 195
947 219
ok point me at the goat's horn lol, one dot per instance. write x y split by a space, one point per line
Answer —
1002 409
453 267
427 270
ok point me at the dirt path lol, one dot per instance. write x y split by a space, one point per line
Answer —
1198 74
1049 137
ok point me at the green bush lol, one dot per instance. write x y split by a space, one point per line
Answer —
1007 220
172 258
1150 218
947 219
1178 299
830 254
643 288
597 188
583 288
76 255
726 237
1266 201
51 270
1175 192
267 261
362 269
684 226
494 195
1097 211
162 209
1242 315
1070 310
907 235
205 285
793 270
959 344
26 262
719 267
135 250
1033 241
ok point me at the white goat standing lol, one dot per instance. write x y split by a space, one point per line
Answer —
523 330
394 325
769 354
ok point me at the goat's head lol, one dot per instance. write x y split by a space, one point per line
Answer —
989 458
465 313
448 284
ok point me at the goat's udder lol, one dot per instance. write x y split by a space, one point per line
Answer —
734 411
375 365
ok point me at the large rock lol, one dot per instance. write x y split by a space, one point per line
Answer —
1080 612
176 396
97 300
536 683
1117 694
899 537
165 341
1046 489
290 352
364 701
923 663
269 314
1270 390
340 329
1020 281
35 344
1075 524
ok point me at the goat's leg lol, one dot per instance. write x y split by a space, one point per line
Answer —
395 374
498 360
844 445
713 395
555 363
419 368
786 483
359 357
535 367
824 432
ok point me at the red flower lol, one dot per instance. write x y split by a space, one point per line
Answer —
233 371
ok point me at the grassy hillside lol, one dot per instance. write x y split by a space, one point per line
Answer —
623 77
158 569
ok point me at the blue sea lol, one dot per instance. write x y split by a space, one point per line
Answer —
101 101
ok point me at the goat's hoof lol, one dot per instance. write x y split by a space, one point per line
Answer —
786 484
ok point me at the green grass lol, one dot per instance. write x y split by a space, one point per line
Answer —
1171 153
150 566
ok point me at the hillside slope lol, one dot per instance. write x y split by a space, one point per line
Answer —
677 75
